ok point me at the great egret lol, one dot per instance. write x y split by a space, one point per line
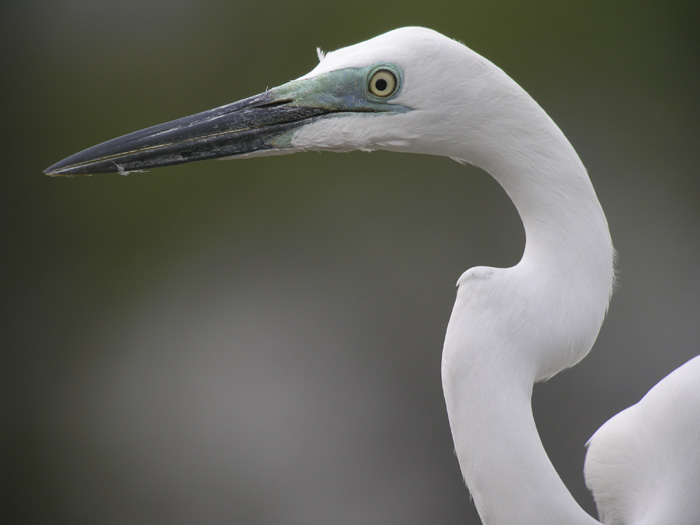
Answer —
414 90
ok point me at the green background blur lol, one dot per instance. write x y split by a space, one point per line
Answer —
259 341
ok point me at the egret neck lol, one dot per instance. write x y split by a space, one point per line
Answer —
515 326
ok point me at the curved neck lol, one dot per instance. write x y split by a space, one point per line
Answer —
565 226
567 268
513 327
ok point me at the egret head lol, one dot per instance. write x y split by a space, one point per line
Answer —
406 90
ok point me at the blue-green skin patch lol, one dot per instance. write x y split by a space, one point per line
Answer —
340 92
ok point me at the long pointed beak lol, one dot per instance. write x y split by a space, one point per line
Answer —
264 124
243 127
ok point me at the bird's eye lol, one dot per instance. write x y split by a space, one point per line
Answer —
383 83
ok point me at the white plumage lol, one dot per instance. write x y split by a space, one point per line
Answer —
643 465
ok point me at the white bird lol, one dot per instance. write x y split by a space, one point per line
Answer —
414 90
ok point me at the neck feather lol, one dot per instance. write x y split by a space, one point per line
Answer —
500 453
512 327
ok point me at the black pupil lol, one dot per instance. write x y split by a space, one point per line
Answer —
381 84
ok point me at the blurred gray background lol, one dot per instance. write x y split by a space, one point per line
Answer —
258 341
